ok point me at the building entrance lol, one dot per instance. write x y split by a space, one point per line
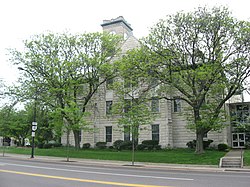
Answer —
238 140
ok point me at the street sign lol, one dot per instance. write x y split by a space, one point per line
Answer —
33 133
34 126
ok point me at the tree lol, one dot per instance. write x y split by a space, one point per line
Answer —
133 104
64 71
136 116
203 58
14 123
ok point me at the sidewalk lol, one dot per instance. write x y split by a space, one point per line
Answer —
111 163
235 153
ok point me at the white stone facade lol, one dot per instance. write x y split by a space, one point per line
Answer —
172 125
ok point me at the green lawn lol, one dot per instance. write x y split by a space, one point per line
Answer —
172 156
247 157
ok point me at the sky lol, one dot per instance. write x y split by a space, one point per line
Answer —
20 19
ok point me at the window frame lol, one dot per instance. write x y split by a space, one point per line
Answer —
155 132
177 105
109 104
155 104
108 133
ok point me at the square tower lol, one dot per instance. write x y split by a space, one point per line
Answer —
118 26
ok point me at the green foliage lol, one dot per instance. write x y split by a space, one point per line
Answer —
86 145
40 145
203 56
247 145
101 145
192 144
206 143
222 147
117 144
49 145
126 145
64 71
150 142
149 145
14 123
57 144
141 147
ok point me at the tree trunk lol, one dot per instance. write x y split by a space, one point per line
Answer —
77 138
22 142
199 132
199 142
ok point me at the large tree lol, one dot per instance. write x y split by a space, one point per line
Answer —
64 71
201 57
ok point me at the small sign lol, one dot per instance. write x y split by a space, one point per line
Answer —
34 126
33 133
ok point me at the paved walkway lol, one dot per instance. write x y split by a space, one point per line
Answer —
235 153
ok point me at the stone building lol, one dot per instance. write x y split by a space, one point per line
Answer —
170 125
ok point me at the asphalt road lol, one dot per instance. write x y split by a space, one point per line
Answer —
36 173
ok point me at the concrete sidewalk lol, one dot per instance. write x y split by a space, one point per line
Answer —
111 163
235 153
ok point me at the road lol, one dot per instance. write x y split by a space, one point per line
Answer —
33 173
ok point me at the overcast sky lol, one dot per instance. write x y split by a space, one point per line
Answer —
20 19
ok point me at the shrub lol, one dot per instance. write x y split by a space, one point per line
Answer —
86 145
150 142
157 147
141 147
149 145
101 145
47 146
207 143
117 144
57 144
111 147
222 147
192 144
127 145
40 145
247 145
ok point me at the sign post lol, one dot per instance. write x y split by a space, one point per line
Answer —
33 128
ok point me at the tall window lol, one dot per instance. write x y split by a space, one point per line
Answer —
108 107
155 104
109 134
155 132
177 105
126 133
109 83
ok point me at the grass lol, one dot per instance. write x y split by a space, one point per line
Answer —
171 156
247 157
